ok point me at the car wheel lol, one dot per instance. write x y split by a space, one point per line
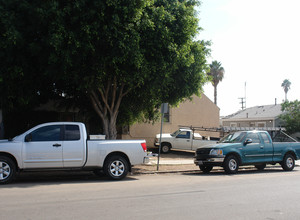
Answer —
7 170
231 164
260 166
205 169
116 167
288 162
165 148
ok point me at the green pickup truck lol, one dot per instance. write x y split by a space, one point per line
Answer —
247 148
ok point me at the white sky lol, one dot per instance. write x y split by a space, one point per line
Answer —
257 42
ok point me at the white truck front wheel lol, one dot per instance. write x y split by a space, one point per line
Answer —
165 148
7 170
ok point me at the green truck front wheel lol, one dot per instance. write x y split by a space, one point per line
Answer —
231 164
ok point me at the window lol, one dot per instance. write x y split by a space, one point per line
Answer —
233 125
261 124
47 133
236 137
265 138
184 134
72 133
254 137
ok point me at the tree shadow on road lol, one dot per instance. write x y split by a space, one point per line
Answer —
31 179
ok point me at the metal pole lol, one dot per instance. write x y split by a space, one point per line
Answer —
161 125
245 94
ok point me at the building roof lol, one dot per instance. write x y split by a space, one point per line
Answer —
257 112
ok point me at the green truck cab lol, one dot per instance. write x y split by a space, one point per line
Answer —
247 148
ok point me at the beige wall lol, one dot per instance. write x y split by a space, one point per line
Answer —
200 112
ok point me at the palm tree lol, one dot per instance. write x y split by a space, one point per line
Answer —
217 73
286 87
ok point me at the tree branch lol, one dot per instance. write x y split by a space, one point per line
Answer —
96 100
114 91
96 107
104 99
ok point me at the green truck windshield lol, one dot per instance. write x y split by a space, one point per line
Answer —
236 137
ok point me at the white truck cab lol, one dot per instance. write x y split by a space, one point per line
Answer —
182 139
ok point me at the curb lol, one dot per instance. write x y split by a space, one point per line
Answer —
137 172
164 172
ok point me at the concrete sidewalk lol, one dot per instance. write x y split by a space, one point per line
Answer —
169 161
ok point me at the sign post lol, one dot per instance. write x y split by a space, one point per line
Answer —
164 109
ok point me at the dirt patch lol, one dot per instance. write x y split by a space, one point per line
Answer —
141 169
175 161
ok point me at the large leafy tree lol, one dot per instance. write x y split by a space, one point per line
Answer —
286 85
217 74
291 116
23 56
124 58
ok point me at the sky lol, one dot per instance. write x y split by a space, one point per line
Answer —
258 44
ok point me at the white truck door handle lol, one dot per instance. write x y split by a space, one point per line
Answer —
56 145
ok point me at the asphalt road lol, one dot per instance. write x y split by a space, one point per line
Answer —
271 194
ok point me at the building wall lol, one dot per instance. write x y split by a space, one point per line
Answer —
200 112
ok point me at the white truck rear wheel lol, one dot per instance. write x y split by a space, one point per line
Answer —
116 167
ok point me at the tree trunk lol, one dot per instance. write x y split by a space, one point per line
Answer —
285 96
106 102
215 94
113 129
109 129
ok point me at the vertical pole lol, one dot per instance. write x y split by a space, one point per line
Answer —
161 125
245 94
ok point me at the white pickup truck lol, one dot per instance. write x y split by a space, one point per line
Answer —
64 145
182 139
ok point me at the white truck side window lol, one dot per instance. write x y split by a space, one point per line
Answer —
183 134
47 133
72 133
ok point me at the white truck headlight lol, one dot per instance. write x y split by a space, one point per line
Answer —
217 152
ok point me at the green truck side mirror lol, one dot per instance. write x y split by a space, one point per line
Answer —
248 141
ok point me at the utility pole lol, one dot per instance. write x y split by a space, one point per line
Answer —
164 108
243 102
245 94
